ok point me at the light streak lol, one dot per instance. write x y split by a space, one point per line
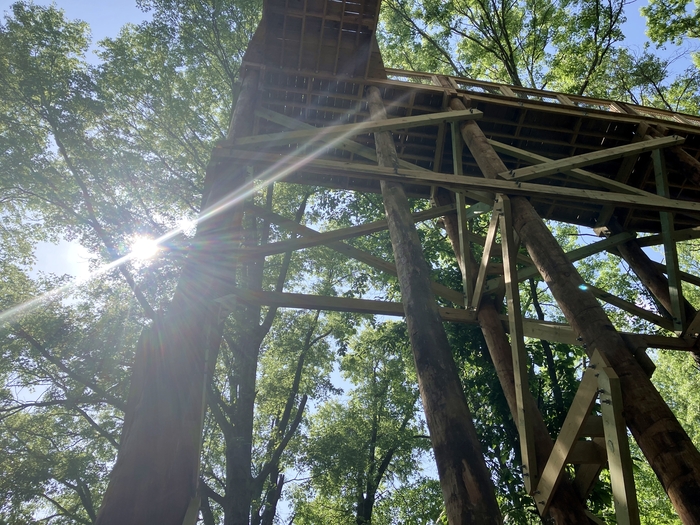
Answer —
272 174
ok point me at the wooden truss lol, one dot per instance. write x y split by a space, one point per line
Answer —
586 440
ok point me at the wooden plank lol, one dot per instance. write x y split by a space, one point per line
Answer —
336 235
670 250
336 304
571 431
486 255
367 258
631 308
660 341
678 236
553 332
462 220
342 131
687 277
586 176
366 171
510 272
573 255
547 330
619 458
559 166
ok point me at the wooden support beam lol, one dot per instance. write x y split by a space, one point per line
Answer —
685 276
483 201
571 431
462 219
573 255
483 266
517 342
670 251
365 257
533 328
336 235
336 304
343 131
678 236
619 458
586 176
559 166
465 480
630 308
507 187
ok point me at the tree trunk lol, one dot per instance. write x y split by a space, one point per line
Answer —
667 447
156 473
466 483
566 506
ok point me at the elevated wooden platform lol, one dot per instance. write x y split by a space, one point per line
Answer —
544 124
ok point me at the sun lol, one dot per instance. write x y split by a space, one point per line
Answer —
144 248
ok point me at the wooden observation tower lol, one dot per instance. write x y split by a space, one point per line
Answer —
317 106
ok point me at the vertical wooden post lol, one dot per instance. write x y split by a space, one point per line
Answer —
675 461
517 343
457 147
465 481
617 447
674 281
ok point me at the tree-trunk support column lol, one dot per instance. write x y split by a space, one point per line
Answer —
155 477
466 482
566 507
667 447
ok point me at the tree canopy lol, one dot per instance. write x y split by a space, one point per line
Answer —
312 416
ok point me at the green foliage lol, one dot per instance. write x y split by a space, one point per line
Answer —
364 448
101 154
672 20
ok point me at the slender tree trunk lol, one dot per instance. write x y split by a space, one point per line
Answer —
466 483
566 506
667 447
156 473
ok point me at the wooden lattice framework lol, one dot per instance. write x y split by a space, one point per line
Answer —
314 61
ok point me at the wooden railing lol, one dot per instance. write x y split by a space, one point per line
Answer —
549 97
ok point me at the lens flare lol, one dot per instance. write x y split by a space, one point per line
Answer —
144 248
